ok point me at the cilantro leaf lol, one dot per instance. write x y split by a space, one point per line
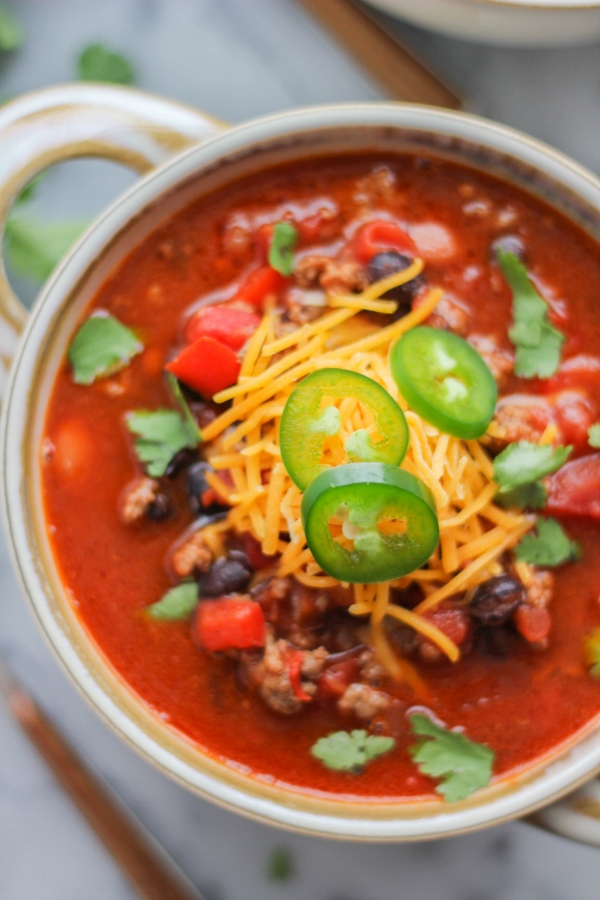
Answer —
591 652
35 248
594 435
102 345
551 547
281 251
463 765
161 434
526 496
177 603
280 866
12 34
523 462
350 751
98 63
538 343
183 404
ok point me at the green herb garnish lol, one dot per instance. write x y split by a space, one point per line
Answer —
591 652
281 251
280 866
183 404
537 342
350 751
527 496
524 462
463 765
160 434
551 547
36 248
102 346
594 435
177 603
98 63
12 33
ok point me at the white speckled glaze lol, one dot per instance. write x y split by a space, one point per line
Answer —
220 158
506 22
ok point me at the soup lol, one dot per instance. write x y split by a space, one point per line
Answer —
396 358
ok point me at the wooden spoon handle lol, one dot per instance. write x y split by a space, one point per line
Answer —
398 72
141 858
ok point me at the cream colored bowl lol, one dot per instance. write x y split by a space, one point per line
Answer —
147 132
506 22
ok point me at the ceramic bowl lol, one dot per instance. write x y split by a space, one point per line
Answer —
184 155
518 23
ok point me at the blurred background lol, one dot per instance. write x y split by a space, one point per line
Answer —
237 59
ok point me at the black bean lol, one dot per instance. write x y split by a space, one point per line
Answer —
160 508
240 556
225 576
181 460
509 243
495 600
197 485
387 263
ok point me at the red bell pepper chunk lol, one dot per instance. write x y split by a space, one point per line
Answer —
377 236
232 327
258 286
230 623
207 366
294 670
575 489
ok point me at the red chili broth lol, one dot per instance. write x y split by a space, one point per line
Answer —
522 705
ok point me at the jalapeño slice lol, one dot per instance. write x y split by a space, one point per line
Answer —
445 381
311 423
369 522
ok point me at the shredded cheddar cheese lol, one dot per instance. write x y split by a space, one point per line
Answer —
244 442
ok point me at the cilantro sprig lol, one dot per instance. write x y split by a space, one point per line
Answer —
462 765
12 33
98 63
160 434
518 469
537 342
281 251
551 546
350 751
178 603
102 346
594 435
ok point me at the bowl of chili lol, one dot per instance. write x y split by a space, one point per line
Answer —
259 487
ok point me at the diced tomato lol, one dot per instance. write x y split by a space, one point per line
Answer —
256 557
378 235
334 680
230 623
232 327
575 489
533 623
574 415
582 371
260 284
453 622
73 448
293 665
318 225
207 366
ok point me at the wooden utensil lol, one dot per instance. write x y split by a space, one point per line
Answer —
142 859
393 67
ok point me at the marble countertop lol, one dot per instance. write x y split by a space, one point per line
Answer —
238 59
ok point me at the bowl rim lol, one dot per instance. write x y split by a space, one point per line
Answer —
560 775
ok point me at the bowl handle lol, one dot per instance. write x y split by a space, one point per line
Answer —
576 816
108 121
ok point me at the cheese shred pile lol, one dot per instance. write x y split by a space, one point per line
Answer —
243 449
